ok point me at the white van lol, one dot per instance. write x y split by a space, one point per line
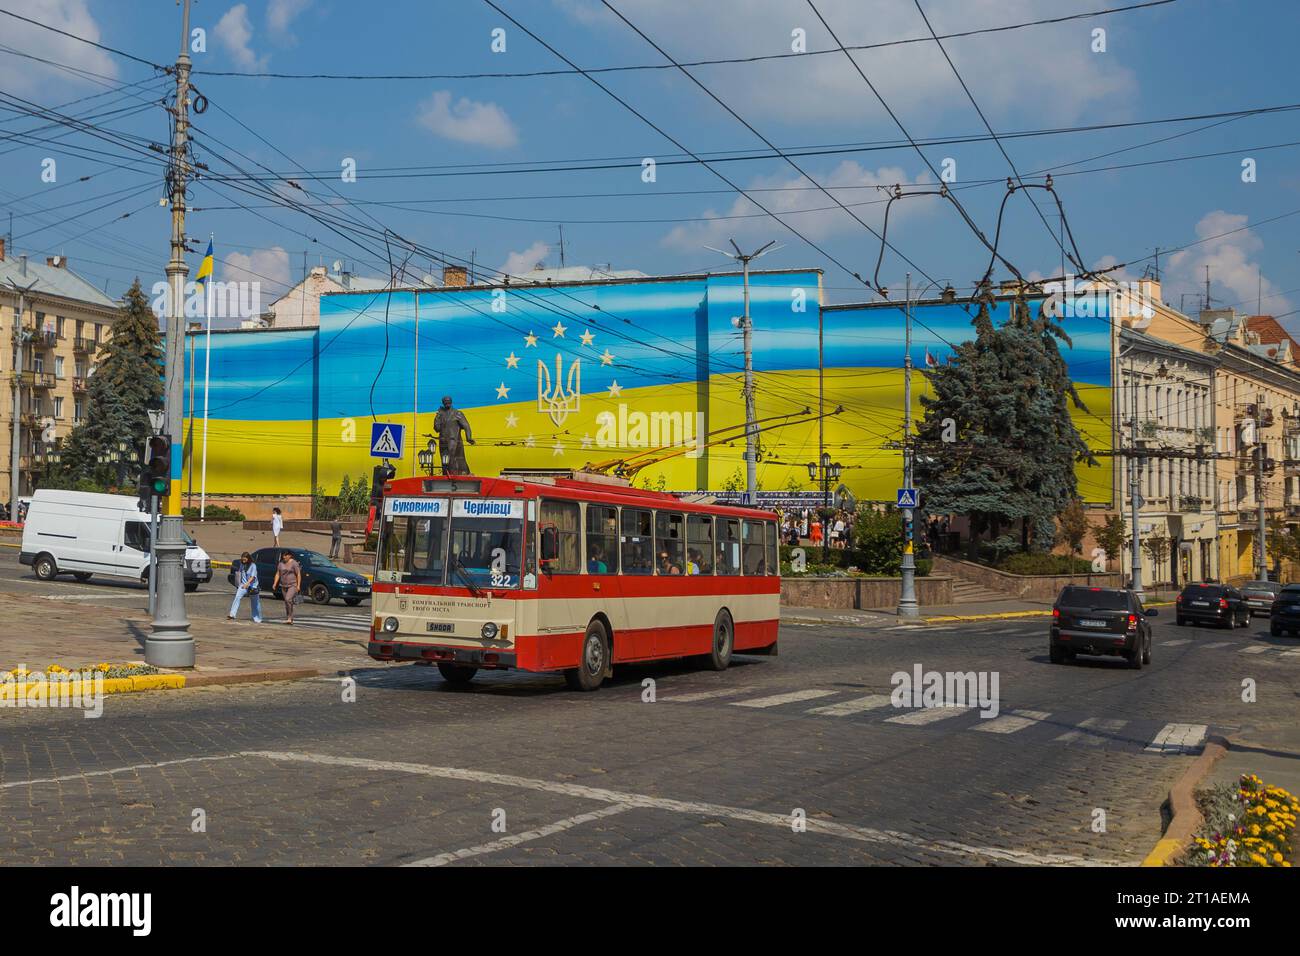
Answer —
82 533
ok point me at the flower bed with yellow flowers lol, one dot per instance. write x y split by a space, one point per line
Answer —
1249 824
57 672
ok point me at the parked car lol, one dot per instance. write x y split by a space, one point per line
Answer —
1218 604
1260 595
1285 614
83 533
1101 621
322 579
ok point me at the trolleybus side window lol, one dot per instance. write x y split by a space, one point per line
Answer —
561 524
602 539
773 550
671 542
728 545
699 544
637 540
755 562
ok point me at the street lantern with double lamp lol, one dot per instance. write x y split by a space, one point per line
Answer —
425 457
830 472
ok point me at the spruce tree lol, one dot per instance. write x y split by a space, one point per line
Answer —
125 383
1008 391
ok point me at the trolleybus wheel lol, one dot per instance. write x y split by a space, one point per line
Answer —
593 660
459 674
723 640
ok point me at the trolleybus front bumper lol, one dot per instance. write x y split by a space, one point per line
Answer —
486 658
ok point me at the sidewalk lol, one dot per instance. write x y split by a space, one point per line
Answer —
227 651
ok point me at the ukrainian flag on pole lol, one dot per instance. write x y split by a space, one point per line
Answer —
205 268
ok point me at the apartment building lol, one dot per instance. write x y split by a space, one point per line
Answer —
50 355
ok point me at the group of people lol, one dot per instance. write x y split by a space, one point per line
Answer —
288 573
837 532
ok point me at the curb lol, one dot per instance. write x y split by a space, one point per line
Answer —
1182 804
1000 615
166 681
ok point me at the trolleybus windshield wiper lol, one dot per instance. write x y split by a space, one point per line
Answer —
465 576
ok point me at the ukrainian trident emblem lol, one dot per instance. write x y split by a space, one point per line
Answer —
561 399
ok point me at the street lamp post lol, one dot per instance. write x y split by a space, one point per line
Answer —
829 471
425 457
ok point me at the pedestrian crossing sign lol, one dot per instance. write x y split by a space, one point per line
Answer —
908 498
386 439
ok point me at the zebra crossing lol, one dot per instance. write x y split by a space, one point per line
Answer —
1286 652
1146 736
339 621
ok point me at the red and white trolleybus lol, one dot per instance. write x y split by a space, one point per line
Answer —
572 572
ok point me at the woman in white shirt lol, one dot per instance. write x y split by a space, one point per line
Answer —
277 525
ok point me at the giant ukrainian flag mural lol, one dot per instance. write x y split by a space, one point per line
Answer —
566 375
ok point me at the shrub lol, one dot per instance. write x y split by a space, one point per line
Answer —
213 513
1044 563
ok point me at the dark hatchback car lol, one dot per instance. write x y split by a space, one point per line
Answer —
1218 604
322 579
1102 621
1285 615
1260 595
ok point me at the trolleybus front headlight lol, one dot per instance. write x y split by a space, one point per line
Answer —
390 624
489 630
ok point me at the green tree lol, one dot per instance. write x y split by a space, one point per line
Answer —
1283 543
1111 536
125 383
1008 392
1156 546
878 541
1074 526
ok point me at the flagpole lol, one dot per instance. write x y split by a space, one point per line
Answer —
207 371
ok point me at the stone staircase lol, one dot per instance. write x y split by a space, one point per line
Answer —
968 592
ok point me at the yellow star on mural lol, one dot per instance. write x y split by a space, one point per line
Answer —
502 390
607 359
511 420
558 328
587 336
614 389
558 448
512 360
530 340
530 442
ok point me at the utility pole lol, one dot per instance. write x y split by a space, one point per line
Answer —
170 643
907 604
746 325
1261 557
15 445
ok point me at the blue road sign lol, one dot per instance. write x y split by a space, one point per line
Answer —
386 439
908 498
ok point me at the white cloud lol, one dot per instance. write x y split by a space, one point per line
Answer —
1234 267
466 121
518 263
280 15
236 34
1067 78
270 267
21 75
845 182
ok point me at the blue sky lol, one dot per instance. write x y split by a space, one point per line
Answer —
1176 59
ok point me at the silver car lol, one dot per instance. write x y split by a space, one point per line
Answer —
1260 595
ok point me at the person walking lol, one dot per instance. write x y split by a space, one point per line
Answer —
288 578
277 525
336 537
246 583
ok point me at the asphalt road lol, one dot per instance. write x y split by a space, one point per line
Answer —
795 759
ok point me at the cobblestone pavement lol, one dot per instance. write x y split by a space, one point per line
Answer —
714 771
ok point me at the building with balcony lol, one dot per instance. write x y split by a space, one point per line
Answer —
50 351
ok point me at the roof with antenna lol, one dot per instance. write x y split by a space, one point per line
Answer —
52 277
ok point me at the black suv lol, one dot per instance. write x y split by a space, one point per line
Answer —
1218 604
1285 615
1102 621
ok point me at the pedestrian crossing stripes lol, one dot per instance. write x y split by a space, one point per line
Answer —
1016 720
1137 735
927 715
1178 738
1178 643
856 706
778 699
339 621
1256 649
1217 644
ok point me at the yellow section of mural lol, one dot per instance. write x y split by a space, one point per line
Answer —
260 457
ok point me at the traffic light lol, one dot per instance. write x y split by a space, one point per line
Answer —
383 472
159 465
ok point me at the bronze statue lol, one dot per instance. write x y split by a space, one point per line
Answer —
448 423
